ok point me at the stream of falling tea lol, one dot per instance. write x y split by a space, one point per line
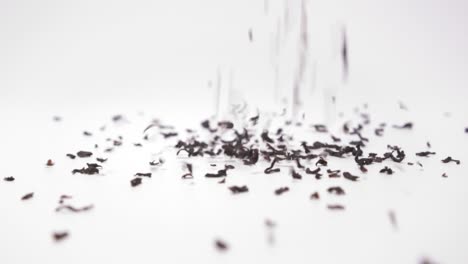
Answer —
294 66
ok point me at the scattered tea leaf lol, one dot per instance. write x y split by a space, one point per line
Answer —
135 182
315 196
386 170
281 190
336 190
102 160
221 245
450 159
27 196
74 209
59 236
408 125
392 217
335 207
425 153
349 176
139 174
238 189
84 154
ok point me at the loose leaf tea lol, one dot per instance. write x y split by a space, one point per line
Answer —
320 128
336 190
450 159
335 207
90 169
281 190
295 175
107 150
272 142
379 132
84 154
221 245
270 169
226 124
266 138
220 173
188 175
408 125
27 196
64 197
335 139
344 55
254 119
139 174
117 118
156 163
238 189
169 135
349 176
315 196
392 217
102 160
135 182
386 170
59 236
321 162
270 225
425 153
74 209
9 178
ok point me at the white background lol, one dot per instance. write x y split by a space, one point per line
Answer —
88 60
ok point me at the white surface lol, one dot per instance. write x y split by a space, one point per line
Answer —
88 60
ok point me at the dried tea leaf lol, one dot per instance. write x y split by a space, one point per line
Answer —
238 189
135 182
139 174
84 154
281 190
349 176
221 245
450 159
425 153
9 178
27 196
315 196
335 207
336 190
386 170
59 236
74 209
